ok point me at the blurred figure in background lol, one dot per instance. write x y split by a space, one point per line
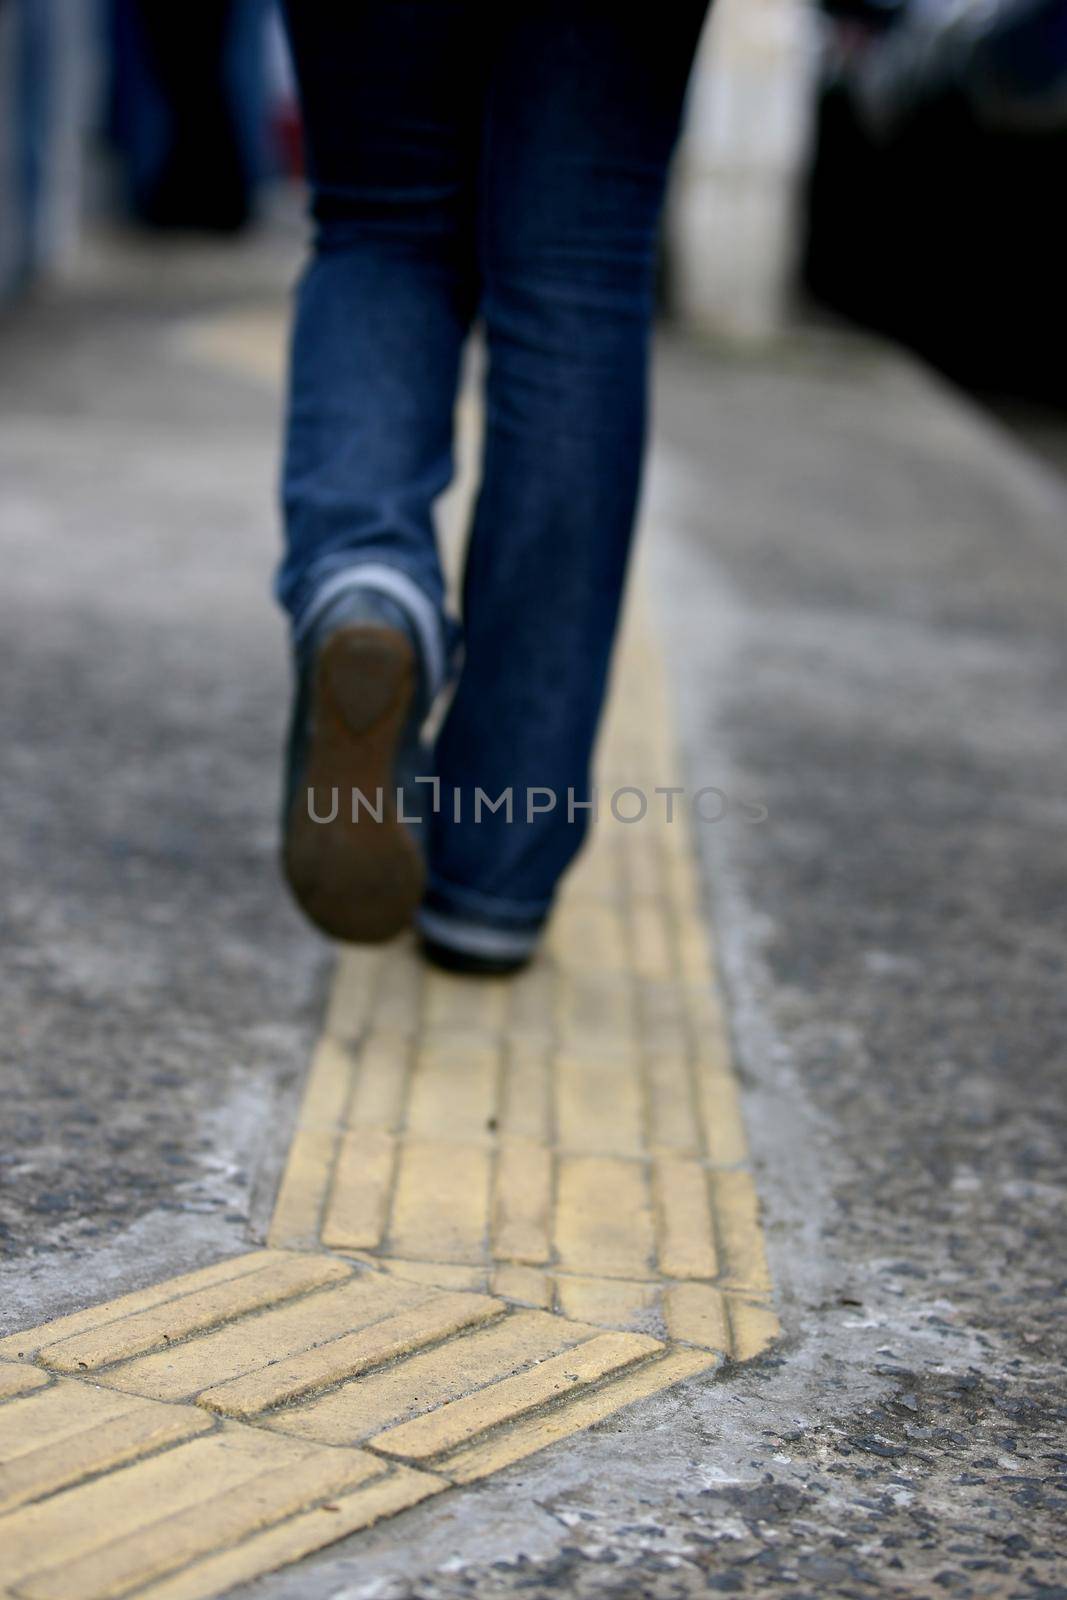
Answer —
44 47
187 109
196 102
507 163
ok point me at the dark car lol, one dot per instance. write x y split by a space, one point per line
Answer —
936 197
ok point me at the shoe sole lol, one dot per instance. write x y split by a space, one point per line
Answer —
472 966
359 881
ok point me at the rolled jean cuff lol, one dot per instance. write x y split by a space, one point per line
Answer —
424 613
470 938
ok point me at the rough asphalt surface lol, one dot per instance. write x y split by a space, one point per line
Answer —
865 587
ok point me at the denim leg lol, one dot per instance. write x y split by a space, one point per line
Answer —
582 113
392 96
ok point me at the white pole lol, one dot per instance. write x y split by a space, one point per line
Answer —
732 220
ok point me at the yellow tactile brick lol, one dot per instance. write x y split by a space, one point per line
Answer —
753 1326
531 1000
68 1431
603 1217
704 1020
685 1233
670 1091
662 1005
192 1313
396 1002
181 1371
741 1237
595 875
524 1286
671 770
702 1006
297 1217
115 1534
454 1086
587 937
99 1316
677 839
381 1078
522 1202
451 1425
609 1302
441 1274
478 1005
670 1118
641 867
694 954
599 1101
353 1353
357 1207
329 1084
441 1205
650 939
416 1386
720 1115
681 881
580 1411
596 1005
526 1096
18 1380
697 1313
352 992
299 1536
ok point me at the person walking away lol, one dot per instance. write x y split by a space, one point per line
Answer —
504 164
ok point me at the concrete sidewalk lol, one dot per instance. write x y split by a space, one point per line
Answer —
862 583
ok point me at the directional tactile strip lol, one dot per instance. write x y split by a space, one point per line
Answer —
110 1494
510 1209
236 1418
569 1138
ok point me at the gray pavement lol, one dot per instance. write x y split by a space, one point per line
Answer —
863 582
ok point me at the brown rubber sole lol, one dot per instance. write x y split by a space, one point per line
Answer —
359 881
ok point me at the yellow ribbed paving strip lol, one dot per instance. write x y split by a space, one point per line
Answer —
510 1209
569 1139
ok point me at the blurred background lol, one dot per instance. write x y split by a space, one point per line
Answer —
898 163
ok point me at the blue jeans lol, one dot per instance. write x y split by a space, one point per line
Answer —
504 163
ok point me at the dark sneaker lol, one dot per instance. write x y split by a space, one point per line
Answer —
357 701
460 944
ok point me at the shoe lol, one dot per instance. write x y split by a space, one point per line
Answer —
356 708
466 962
459 944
